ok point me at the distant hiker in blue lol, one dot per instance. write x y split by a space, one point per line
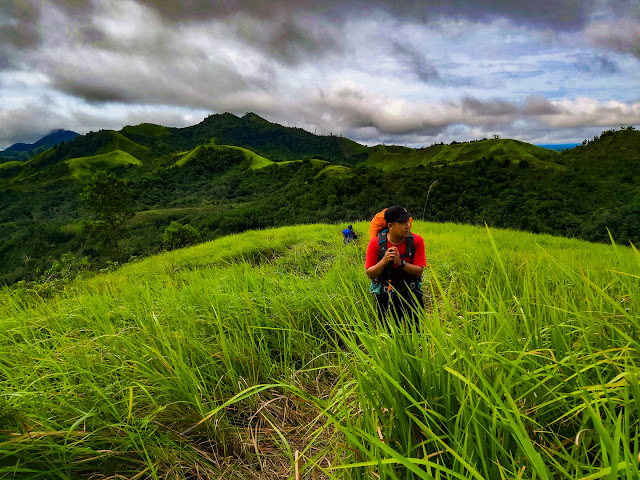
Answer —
348 235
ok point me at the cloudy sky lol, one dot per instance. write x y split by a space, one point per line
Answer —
377 71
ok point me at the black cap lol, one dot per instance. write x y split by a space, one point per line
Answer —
396 214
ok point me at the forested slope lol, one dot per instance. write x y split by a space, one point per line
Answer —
222 177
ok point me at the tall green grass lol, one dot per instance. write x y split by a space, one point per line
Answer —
237 357
525 366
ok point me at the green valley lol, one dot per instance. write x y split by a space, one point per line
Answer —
229 174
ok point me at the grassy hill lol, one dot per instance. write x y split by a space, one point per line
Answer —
84 167
124 144
107 148
259 355
10 165
389 158
614 155
255 161
336 171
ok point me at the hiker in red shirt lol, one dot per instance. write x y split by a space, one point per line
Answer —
394 263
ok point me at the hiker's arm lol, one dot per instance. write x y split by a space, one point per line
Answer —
389 257
376 270
415 270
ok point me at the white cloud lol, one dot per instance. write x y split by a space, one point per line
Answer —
584 112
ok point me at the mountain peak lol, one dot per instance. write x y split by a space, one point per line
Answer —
252 116
24 151
57 136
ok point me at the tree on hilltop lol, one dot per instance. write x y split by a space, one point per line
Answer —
109 199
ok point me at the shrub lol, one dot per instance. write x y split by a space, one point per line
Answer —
177 235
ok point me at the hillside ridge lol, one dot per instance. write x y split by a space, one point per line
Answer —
229 174
155 144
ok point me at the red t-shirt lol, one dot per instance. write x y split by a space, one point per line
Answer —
420 257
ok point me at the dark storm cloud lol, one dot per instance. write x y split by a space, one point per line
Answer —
490 108
93 91
620 31
93 35
148 81
292 21
532 106
554 13
183 65
625 8
20 20
298 30
615 30
557 14
18 30
420 67
417 63
287 32
288 38
18 24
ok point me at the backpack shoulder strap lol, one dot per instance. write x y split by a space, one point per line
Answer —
382 243
410 247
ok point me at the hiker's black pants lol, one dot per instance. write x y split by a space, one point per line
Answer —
398 304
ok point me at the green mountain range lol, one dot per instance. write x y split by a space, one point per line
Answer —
154 147
229 174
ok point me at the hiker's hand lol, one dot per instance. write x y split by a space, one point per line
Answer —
392 255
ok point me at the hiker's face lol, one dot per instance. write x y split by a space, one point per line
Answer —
402 229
